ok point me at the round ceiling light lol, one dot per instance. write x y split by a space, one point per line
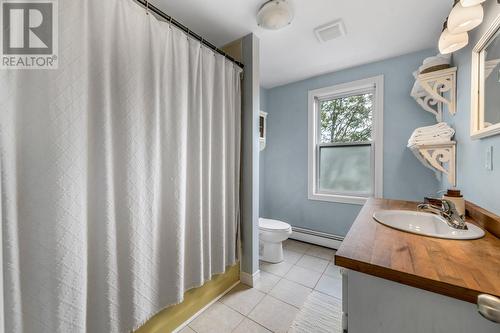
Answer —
275 14
470 3
463 19
449 42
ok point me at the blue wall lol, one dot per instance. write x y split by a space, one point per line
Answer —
284 161
479 185
263 99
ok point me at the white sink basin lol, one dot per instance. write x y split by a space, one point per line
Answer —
426 224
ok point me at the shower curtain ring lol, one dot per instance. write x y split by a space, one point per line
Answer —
187 36
170 22
147 7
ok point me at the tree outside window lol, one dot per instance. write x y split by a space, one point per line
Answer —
346 119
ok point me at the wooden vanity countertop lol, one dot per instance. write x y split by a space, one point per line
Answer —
461 269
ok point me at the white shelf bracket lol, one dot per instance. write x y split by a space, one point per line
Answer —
441 158
435 90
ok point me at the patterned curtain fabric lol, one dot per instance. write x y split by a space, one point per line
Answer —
119 172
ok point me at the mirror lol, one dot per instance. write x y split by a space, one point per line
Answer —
492 82
486 84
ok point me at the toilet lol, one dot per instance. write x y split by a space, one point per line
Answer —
272 233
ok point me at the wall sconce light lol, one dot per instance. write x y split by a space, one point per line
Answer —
464 19
465 16
449 42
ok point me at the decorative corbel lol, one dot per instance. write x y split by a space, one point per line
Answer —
441 158
436 84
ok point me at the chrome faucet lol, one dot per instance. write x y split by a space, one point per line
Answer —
447 210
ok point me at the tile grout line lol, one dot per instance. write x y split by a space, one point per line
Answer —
325 294
241 321
286 301
322 274
260 301
253 322
303 285
283 277
279 300
267 294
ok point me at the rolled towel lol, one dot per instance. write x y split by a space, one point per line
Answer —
437 62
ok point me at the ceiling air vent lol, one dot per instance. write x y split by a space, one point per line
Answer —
329 31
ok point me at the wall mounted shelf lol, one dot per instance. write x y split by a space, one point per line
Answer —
439 157
437 89
262 129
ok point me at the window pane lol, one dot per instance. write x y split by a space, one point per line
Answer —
346 119
345 169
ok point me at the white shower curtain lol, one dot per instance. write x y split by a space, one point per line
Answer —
119 172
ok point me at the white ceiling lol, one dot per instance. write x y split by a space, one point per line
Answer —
375 30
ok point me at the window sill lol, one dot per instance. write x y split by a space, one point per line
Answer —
338 198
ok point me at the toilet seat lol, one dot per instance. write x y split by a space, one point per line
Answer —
273 225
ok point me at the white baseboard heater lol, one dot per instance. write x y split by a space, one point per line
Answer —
317 237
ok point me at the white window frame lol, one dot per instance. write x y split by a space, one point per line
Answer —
376 82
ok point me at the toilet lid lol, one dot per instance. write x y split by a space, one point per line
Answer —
273 225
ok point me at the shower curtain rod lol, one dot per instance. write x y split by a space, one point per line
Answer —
147 5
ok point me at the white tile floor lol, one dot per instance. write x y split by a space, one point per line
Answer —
271 306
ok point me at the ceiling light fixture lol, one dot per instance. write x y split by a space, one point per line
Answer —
464 19
275 14
470 3
449 42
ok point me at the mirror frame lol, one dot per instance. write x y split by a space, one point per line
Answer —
477 89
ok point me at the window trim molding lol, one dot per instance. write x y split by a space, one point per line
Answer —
377 136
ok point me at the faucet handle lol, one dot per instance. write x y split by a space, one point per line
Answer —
450 204
433 201
443 204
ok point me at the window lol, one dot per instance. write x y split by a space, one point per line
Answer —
345 141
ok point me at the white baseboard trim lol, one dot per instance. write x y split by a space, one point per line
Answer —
317 238
249 279
193 317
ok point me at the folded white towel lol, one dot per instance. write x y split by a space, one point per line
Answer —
432 127
438 133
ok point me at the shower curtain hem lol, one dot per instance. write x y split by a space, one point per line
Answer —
236 262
